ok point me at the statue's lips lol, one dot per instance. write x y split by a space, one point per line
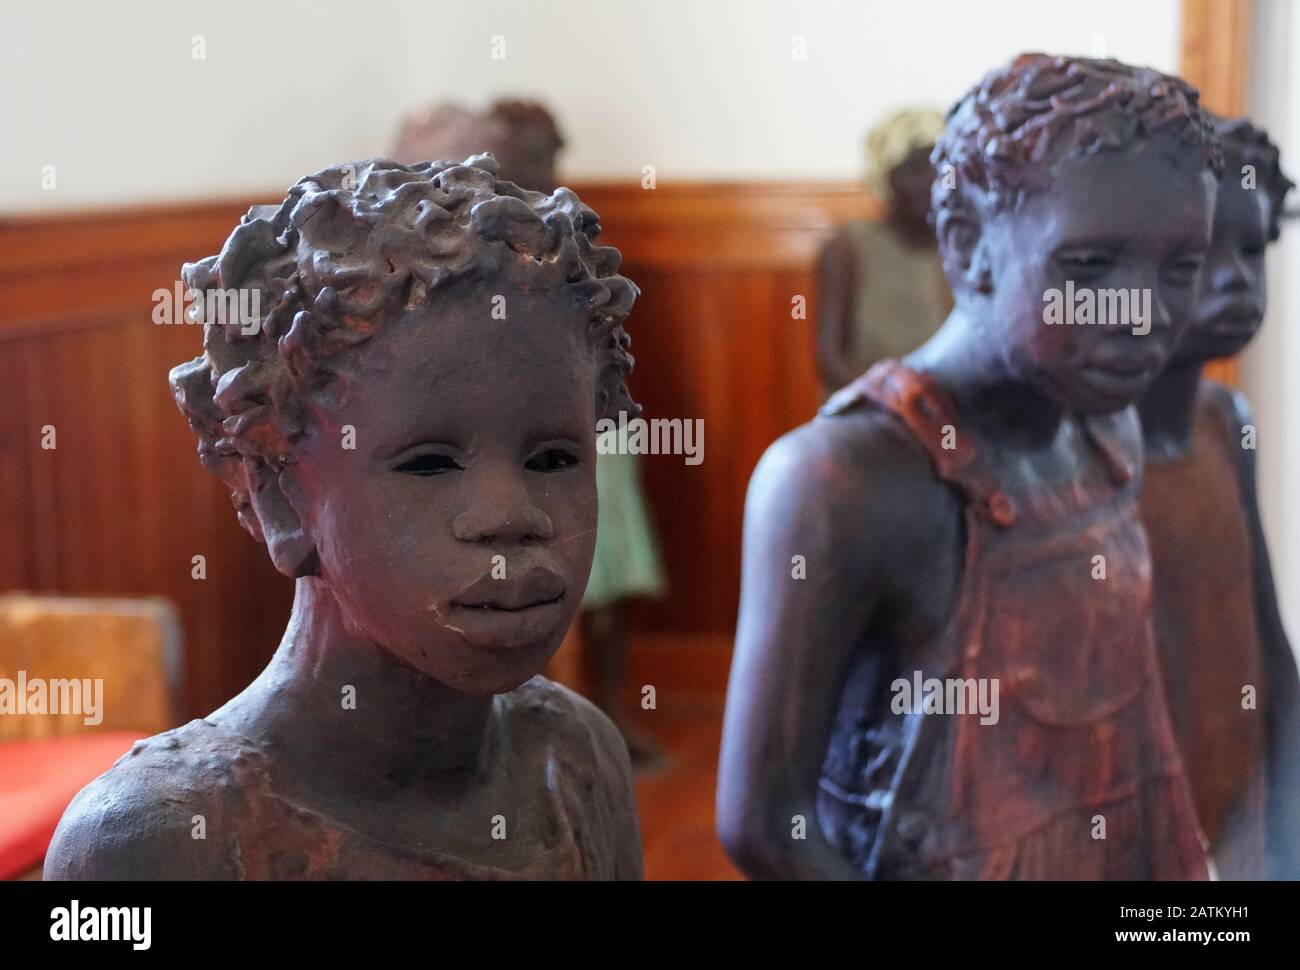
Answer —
1125 365
534 588
1232 319
1122 377
526 623
502 608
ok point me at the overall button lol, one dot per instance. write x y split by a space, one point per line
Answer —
913 828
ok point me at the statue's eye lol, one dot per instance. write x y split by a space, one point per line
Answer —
551 460
1185 270
1086 263
429 464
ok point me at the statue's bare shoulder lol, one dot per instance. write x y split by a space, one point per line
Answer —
155 813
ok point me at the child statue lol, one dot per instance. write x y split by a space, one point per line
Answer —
411 431
965 520
1230 676
521 135
880 286
525 139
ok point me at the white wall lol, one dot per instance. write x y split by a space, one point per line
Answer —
1271 364
109 94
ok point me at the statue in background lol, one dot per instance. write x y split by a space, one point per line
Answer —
881 291
521 135
1230 675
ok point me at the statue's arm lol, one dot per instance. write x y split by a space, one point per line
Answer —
616 770
1281 693
807 592
123 827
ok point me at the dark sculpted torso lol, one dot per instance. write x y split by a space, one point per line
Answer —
1230 684
556 803
972 563
1070 770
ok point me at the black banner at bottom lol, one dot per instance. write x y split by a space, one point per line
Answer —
606 920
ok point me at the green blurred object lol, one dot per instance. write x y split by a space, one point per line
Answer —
627 561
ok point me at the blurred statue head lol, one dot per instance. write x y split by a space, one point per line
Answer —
521 135
899 172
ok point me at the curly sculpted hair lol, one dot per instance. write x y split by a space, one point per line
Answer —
355 246
1005 134
1244 144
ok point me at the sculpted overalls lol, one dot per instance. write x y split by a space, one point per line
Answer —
1079 778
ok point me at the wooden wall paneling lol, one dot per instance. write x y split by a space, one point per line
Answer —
38 515
16 505
122 503
664 386
1216 51
714 339
138 369
121 506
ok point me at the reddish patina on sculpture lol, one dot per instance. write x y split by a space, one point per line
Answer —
410 428
972 798
970 515
1228 669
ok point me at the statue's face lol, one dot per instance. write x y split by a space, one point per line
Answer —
458 532
909 185
1133 222
1234 291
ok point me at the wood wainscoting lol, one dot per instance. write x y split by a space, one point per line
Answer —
120 506
716 338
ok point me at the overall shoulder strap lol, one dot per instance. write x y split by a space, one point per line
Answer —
930 413
1104 433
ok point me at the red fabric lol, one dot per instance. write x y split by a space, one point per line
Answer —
37 781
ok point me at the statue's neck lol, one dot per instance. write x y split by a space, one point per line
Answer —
1167 410
341 708
1003 408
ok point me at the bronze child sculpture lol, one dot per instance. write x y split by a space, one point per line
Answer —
966 520
411 431
880 287
1230 676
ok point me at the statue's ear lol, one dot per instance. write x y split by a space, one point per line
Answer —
965 253
292 551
